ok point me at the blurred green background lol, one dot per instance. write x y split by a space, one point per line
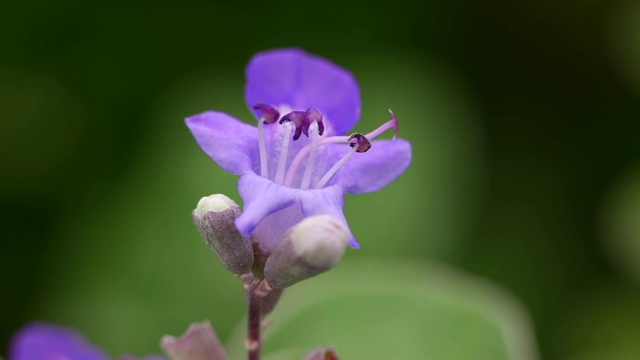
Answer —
524 119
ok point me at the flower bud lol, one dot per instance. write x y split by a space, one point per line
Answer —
214 217
314 245
322 354
199 342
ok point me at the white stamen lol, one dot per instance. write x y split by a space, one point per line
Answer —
264 171
306 178
297 160
335 168
304 151
284 151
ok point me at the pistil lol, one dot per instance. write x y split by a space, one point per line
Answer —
384 127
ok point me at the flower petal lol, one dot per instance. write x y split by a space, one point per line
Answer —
299 80
271 209
50 342
262 198
326 201
273 227
229 142
372 170
199 342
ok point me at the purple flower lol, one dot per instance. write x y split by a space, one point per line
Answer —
286 176
39 341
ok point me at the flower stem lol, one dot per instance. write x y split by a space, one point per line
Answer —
256 291
253 343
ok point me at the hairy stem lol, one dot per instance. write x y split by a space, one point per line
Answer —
253 343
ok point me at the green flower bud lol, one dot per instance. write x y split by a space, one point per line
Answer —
313 246
214 217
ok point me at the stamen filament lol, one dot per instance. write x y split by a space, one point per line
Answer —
335 168
304 151
264 171
306 178
284 151
295 164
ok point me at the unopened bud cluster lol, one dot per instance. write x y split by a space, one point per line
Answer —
312 246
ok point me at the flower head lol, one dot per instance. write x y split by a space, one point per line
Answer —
296 162
41 341
44 341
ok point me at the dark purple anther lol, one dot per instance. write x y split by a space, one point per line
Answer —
303 120
298 120
268 113
361 141
310 116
